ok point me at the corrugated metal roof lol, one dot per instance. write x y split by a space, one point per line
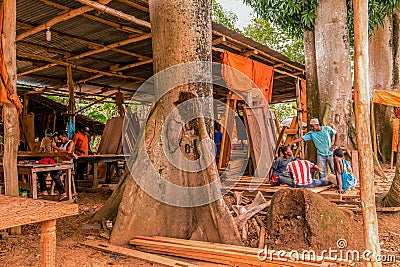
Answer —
94 30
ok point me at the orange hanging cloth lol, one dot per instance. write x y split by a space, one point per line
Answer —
7 94
243 74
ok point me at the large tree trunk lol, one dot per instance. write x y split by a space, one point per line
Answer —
181 33
392 198
333 67
313 107
381 78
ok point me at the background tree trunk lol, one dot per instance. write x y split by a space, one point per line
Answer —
381 78
313 105
333 67
392 198
181 33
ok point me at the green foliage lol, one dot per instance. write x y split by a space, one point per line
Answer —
284 110
224 17
263 32
100 112
295 16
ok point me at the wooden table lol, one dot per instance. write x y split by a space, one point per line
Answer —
96 159
32 169
16 211
39 155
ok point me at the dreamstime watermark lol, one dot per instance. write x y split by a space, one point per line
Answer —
340 253
177 139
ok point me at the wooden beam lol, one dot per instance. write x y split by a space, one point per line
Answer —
94 18
130 66
230 39
74 66
278 65
115 13
95 102
250 53
219 40
111 46
134 5
363 133
92 52
86 42
66 16
71 87
287 73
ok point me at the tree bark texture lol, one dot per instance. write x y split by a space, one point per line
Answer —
313 105
381 78
181 32
333 67
363 133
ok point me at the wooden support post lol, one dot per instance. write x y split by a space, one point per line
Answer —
71 94
68 183
10 114
363 133
299 116
95 178
48 243
373 126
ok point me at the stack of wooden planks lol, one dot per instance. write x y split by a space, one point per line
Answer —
251 185
225 254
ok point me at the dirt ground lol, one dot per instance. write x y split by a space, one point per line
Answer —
24 250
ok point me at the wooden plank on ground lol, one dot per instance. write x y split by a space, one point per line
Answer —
221 252
137 254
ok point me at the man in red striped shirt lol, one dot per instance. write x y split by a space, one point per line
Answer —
300 171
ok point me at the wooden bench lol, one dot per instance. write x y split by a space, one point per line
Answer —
16 211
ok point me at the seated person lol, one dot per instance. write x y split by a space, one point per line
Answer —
45 145
55 176
345 179
278 173
300 171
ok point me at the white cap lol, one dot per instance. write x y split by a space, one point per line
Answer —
314 122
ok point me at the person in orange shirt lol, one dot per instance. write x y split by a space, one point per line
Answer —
81 141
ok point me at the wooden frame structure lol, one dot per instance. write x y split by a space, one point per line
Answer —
85 48
112 51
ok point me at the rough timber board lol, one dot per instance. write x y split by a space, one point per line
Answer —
225 247
214 253
16 211
137 254
260 131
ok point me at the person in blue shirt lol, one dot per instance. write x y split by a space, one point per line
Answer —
217 141
279 172
322 138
